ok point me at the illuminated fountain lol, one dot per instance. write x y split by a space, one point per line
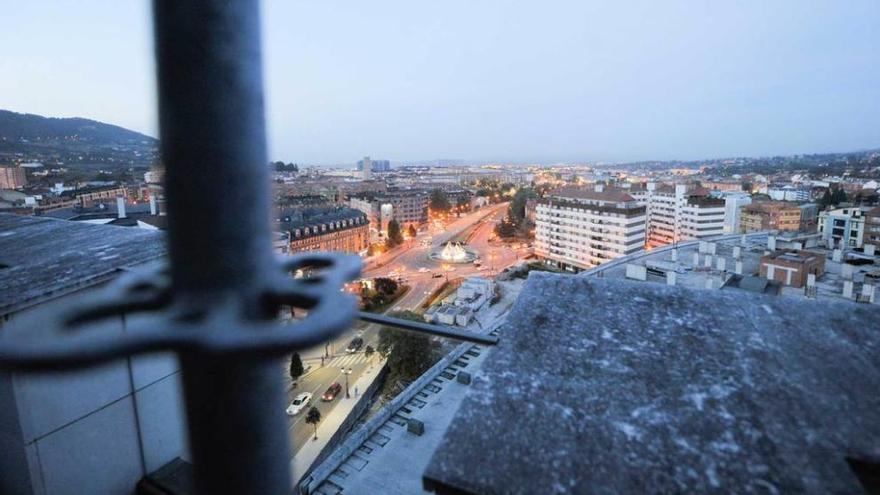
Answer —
453 253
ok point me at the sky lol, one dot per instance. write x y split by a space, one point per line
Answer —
482 80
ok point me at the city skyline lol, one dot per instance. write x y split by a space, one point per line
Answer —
565 82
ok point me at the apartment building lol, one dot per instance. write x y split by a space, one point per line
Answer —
326 229
843 227
579 228
407 206
770 215
12 177
680 212
872 227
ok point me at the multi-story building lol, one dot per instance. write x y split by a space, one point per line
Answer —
681 212
788 193
407 206
722 185
326 229
770 215
12 177
366 168
733 203
809 216
843 227
376 165
90 196
872 227
579 228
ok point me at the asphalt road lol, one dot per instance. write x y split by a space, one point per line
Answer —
405 260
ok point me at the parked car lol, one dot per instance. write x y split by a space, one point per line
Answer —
437 275
299 403
355 345
331 392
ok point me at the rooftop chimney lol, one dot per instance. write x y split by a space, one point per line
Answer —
120 207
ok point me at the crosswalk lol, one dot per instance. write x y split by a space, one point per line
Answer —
347 360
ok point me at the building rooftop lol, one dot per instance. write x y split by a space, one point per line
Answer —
43 258
610 386
612 195
290 220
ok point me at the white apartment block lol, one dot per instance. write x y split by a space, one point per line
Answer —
579 228
843 227
680 213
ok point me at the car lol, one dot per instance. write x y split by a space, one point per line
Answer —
423 270
331 392
437 275
481 268
299 403
355 345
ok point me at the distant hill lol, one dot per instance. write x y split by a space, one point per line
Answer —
25 126
72 141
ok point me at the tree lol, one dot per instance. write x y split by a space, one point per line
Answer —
516 211
827 198
409 354
439 201
313 418
395 237
296 366
385 286
412 231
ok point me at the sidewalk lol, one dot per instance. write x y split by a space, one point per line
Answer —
306 455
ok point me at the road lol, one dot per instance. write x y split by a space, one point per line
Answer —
405 260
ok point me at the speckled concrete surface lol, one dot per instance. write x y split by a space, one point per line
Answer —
610 386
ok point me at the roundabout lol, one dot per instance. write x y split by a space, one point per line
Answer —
453 253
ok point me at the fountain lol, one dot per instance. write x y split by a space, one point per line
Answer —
453 253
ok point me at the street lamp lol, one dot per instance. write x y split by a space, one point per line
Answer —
346 372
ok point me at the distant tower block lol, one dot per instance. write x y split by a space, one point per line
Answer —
846 271
696 260
721 264
674 255
738 267
368 168
670 277
737 252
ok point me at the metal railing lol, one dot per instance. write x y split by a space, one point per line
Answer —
215 304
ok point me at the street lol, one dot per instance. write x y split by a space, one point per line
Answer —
404 260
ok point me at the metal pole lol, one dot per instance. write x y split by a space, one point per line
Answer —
213 141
